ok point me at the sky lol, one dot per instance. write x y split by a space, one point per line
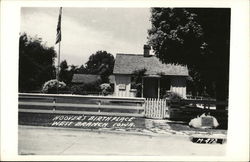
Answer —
87 30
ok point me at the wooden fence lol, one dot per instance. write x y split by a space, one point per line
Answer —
76 104
92 105
118 106
156 108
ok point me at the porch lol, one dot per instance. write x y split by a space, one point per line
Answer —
156 86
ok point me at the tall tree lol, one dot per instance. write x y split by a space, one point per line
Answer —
198 38
175 36
216 26
80 70
36 63
101 63
65 74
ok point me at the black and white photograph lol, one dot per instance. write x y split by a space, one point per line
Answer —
124 81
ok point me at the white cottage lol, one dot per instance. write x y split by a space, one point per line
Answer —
157 75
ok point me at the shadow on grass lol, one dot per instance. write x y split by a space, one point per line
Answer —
185 127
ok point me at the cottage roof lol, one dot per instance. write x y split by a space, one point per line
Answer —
88 78
85 78
128 63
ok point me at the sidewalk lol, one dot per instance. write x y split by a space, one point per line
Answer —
37 140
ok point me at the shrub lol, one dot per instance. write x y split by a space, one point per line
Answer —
76 89
172 96
52 85
88 88
106 89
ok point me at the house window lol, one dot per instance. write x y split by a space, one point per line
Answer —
122 87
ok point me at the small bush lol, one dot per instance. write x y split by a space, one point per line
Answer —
88 88
77 89
172 96
106 89
51 86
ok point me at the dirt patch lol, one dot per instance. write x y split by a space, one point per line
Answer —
168 127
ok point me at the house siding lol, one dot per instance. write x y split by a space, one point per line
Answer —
178 85
122 86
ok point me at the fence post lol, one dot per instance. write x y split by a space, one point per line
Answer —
154 106
144 106
159 108
163 108
99 106
151 106
54 104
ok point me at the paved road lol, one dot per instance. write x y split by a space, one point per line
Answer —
65 141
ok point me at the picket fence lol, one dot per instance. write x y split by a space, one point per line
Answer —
156 108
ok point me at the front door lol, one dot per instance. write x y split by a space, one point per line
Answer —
150 87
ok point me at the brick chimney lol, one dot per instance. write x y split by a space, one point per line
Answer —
146 49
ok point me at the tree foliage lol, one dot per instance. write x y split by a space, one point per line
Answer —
81 70
175 36
66 73
99 63
88 88
198 38
35 63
